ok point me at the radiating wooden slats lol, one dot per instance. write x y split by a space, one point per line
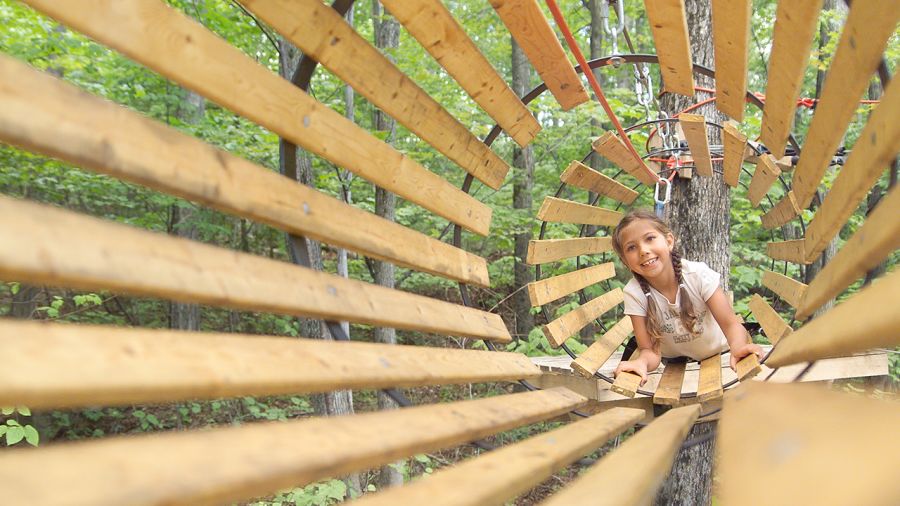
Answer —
61 248
238 463
668 392
524 465
869 25
582 176
764 177
735 144
570 323
793 437
592 359
668 22
795 27
694 127
565 211
709 386
731 36
46 115
789 289
443 37
611 147
64 366
551 250
550 289
528 25
769 319
784 211
791 251
633 473
182 50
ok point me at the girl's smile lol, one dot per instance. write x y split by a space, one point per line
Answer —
647 251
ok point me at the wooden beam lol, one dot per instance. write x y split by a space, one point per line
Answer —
584 177
46 115
240 463
748 367
528 25
443 37
547 290
709 386
735 143
764 177
795 27
102 255
791 251
869 25
633 473
611 147
54 366
590 361
781 213
668 392
694 127
172 44
565 211
570 323
525 465
731 35
551 250
790 437
790 290
878 237
769 319
626 383
668 22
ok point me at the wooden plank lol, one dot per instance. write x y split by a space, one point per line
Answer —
790 290
611 147
869 246
565 211
769 319
694 127
668 23
731 36
430 23
239 463
582 176
781 213
627 384
873 152
182 50
795 27
633 473
525 465
570 323
547 290
735 143
789 437
528 25
764 177
102 255
48 116
869 25
551 250
709 386
747 367
599 352
53 366
668 392
791 251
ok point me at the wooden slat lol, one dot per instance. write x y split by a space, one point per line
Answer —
633 473
795 27
792 251
769 319
611 147
101 255
570 323
550 289
670 34
694 127
668 392
45 115
747 367
876 147
582 176
551 250
764 177
709 386
626 383
443 37
565 211
735 143
784 211
65 366
868 247
182 50
524 464
592 359
792 437
790 290
238 463
528 25
731 35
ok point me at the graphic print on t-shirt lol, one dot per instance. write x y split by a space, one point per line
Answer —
672 326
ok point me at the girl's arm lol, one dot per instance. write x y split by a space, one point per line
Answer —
735 333
649 358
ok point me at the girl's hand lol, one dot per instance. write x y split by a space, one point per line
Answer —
742 351
636 366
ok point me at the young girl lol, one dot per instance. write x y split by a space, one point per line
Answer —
677 307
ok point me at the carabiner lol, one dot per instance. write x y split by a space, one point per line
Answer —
661 202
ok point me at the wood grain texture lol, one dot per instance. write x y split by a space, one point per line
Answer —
101 255
165 40
442 36
731 36
781 213
668 392
586 178
565 211
709 386
769 319
551 250
570 323
791 251
748 367
694 127
668 22
611 147
240 463
764 177
626 383
550 289
45 115
789 289
593 358
735 143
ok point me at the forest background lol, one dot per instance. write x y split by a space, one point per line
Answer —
565 136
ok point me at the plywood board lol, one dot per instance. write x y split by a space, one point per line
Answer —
551 250
735 144
611 147
694 127
791 251
764 177
565 211
731 36
668 392
590 361
789 289
584 177
550 289
769 319
709 386
570 323
783 212
668 22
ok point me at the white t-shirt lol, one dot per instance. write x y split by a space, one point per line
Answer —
701 282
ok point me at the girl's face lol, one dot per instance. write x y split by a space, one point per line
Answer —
646 250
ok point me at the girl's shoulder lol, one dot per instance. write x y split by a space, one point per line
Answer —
700 276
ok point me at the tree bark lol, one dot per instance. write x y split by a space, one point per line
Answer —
523 182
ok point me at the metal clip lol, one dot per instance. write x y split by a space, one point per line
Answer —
661 202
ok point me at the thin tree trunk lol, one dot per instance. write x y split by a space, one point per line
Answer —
523 182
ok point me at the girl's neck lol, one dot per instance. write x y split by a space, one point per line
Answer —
666 284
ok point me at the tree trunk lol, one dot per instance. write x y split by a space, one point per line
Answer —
523 182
